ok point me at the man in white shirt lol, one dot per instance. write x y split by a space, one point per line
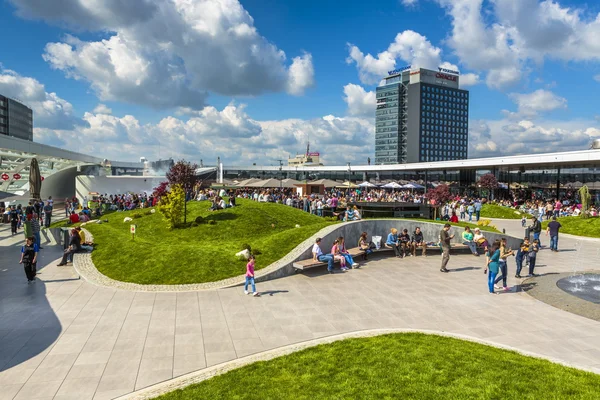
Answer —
319 256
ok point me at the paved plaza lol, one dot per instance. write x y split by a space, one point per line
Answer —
63 338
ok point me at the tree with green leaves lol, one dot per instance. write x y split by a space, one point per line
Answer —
171 206
584 194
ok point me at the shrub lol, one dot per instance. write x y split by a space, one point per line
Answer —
194 224
136 215
241 258
171 206
246 246
333 219
256 252
147 212
199 220
212 222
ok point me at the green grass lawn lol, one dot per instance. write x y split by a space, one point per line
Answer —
496 211
578 226
398 366
204 253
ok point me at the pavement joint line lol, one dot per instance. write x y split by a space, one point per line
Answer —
219 369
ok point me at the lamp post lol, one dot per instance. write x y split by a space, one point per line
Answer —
349 171
280 174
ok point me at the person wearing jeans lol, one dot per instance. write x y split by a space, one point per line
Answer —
552 231
536 228
319 256
493 264
504 254
250 276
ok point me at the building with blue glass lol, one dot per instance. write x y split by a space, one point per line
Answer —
421 116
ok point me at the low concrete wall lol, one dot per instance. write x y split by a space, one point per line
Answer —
351 232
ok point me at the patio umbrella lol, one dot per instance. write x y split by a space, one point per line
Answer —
328 183
366 184
413 186
267 183
392 185
289 183
347 185
35 180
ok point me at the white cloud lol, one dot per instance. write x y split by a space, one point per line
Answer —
529 105
503 38
506 137
409 46
469 79
170 54
410 3
102 109
49 110
597 78
360 102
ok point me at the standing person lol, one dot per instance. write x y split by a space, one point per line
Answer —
417 240
445 238
533 250
35 230
250 276
29 254
27 226
67 208
478 206
470 211
462 210
522 254
536 228
319 256
48 213
505 252
335 251
493 264
393 243
14 220
552 231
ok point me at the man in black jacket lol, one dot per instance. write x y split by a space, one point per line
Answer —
418 241
536 229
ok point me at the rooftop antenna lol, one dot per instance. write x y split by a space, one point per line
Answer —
308 147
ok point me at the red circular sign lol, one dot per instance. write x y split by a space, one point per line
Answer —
5 177
17 176
42 178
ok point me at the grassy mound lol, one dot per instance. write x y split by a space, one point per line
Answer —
398 366
578 226
496 211
202 253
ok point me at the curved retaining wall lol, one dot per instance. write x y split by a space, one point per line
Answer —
283 267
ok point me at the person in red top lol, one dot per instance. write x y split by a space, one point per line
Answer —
74 218
454 217
250 276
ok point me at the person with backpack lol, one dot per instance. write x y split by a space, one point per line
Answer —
29 254
536 229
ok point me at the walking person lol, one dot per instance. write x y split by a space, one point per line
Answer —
48 213
505 252
35 230
533 250
462 210
493 264
319 256
14 220
470 211
29 254
478 206
552 231
445 238
250 276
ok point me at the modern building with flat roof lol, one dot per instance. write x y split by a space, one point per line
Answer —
16 119
421 115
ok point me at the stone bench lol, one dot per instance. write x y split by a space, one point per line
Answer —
302 265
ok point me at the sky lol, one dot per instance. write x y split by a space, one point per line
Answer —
253 81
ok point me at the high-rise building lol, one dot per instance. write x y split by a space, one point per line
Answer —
16 119
421 115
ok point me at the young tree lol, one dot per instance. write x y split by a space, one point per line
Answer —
489 182
584 194
439 196
171 206
183 173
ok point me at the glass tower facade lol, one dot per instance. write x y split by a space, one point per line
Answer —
16 119
421 115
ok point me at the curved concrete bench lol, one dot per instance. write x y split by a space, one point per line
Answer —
351 231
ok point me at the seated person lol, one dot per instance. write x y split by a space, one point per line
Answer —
349 214
74 218
480 240
232 201
87 246
222 204
74 247
468 237
83 217
357 215
393 243
417 240
318 255
364 245
454 217
216 204
404 240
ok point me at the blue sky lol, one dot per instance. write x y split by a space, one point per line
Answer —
208 78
